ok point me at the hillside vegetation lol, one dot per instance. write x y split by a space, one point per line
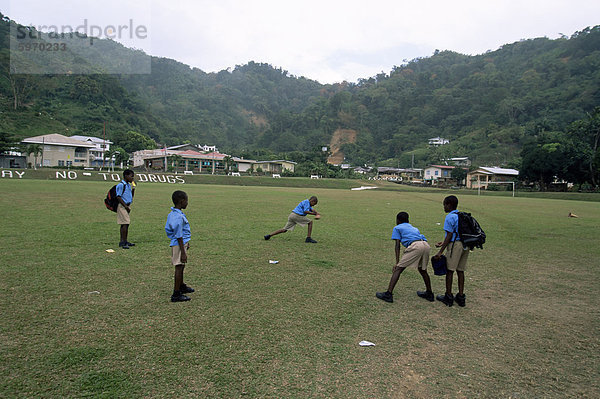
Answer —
489 106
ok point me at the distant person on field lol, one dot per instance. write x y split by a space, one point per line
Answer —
125 191
456 254
416 254
178 230
298 217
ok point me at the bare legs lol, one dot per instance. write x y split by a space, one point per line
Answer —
178 277
398 271
124 231
280 231
461 282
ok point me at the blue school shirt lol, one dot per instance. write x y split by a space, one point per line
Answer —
302 208
407 234
124 191
451 225
177 227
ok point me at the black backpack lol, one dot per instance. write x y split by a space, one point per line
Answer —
470 232
111 200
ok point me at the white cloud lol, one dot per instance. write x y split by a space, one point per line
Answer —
325 40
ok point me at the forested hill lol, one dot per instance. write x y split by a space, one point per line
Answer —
487 105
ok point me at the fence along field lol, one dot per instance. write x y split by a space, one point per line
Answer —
78 321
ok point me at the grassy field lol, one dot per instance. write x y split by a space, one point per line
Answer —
80 322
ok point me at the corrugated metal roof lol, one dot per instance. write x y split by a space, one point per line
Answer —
500 171
92 139
57 139
441 166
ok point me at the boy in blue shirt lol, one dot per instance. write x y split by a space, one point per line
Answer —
298 217
125 193
415 254
456 254
178 230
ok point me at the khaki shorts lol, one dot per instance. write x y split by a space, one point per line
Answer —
456 256
295 219
176 254
122 215
416 255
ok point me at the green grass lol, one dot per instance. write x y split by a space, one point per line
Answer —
298 182
80 322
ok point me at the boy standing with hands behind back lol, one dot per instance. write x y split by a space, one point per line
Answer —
178 230
125 191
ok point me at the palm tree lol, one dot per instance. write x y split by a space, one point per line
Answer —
35 149
122 156
175 160
228 161
109 155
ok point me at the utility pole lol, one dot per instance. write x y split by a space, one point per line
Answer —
104 145
165 150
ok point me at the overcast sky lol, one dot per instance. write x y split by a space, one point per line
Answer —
326 40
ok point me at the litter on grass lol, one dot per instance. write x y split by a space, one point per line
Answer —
93 292
366 343
273 262
110 251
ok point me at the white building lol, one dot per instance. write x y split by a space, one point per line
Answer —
436 141
211 148
460 161
97 153
433 173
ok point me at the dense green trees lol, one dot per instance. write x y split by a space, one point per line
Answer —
546 159
571 156
7 142
585 134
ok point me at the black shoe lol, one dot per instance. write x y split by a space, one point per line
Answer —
460 300
426 295
448 300
179 298
130 244
267 237
385 296
124 245
184 289
308 239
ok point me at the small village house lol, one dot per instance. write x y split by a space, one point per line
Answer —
277 166
483 176
399 174
435 174
13 159
437 141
